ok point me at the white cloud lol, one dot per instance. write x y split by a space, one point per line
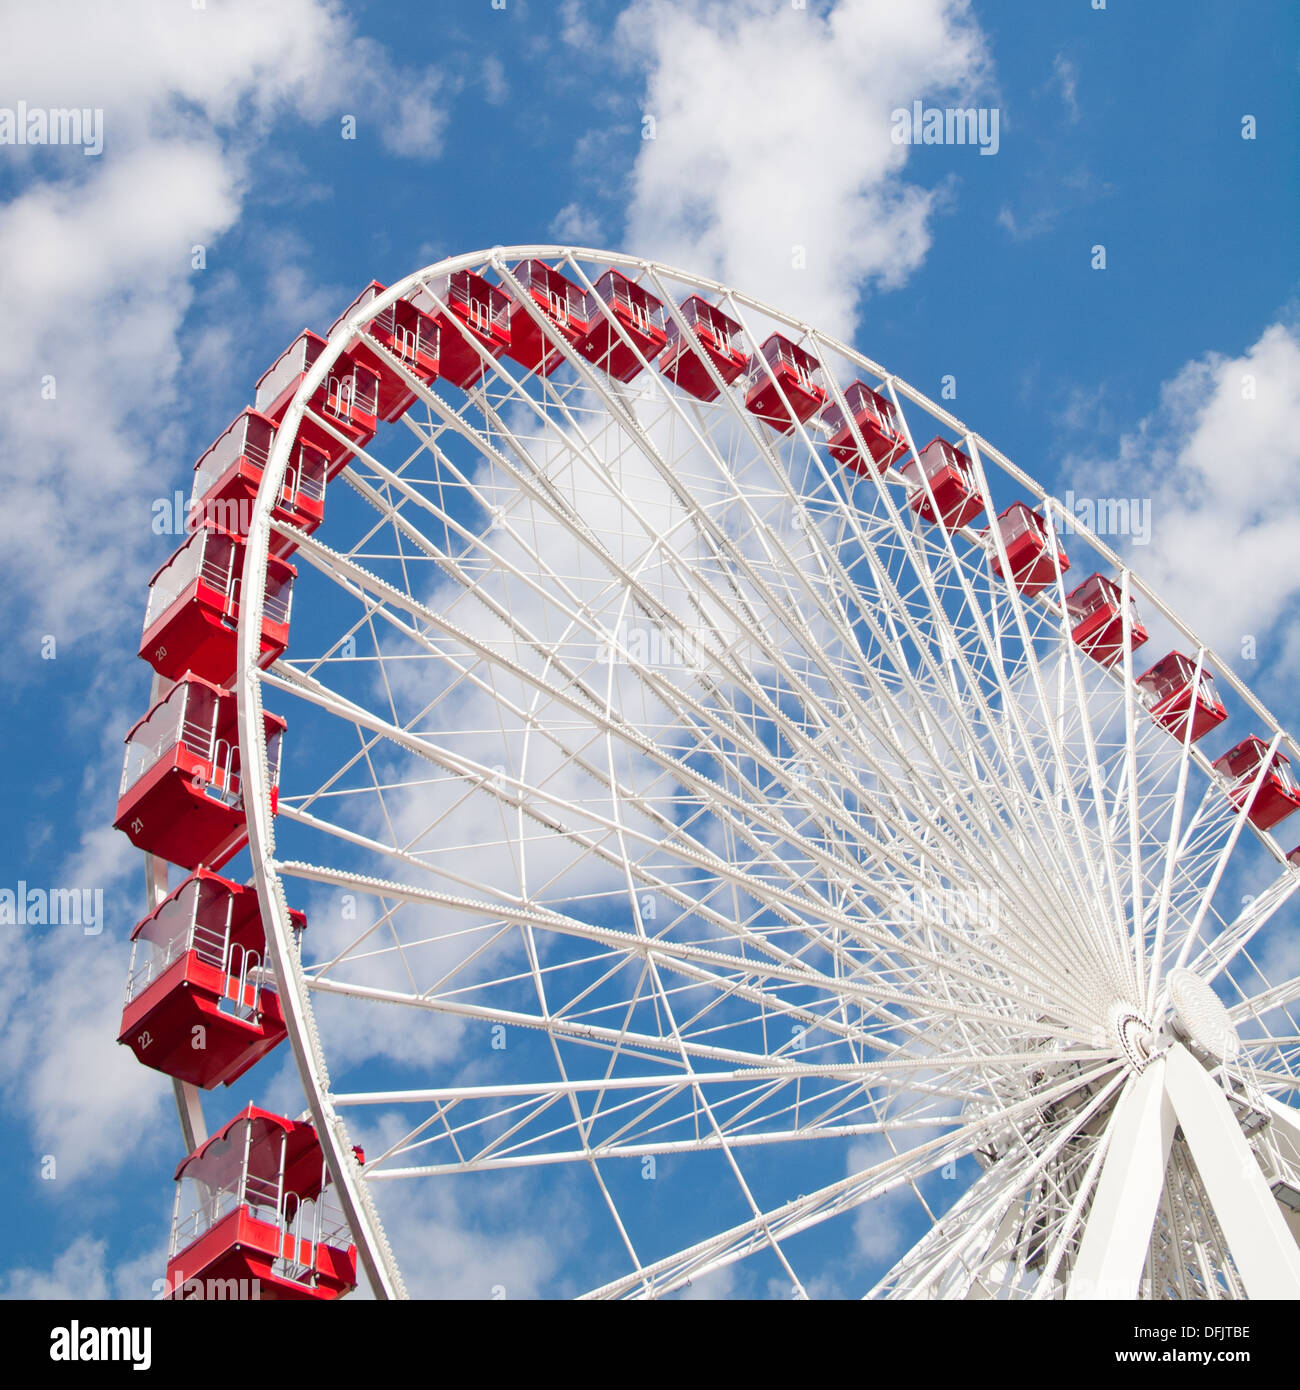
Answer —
97 252
574 225
772 133
237 65
447 1255
416 122
77 1273
496 86
108 290
1036 224
1067 79
575 28
713 1287
1219 460
82 1272
881 1227
478 1236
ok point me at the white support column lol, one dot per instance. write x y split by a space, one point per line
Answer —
1286 1124
1118 1232
1262 1247
189 1109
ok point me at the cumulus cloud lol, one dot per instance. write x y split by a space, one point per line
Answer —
76 1273
1219 458
237 65
447 1253
882 1227
83 1272
771 165
90 372
574 225
98 253
575 28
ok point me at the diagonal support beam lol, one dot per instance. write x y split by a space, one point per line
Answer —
1118 1233
1262 1247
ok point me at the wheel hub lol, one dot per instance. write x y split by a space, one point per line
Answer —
1133 1034
1199 1016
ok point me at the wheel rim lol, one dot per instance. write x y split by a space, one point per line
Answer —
816 739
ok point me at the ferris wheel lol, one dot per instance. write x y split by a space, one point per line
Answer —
691 786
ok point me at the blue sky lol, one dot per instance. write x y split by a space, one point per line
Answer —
1120 127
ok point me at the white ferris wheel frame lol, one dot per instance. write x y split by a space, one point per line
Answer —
1111 1256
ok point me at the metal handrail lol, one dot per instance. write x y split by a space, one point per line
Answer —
223 780
161 731
456 291
1105 594
709 325
277 601
292 1266
250 963
863 400
205 1214
302 1226
234 444
345 396
298 482
564 303
644 315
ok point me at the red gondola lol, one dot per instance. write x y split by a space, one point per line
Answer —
405 333
228 474
1166 690
473 318
637 312
348 398
193 612
253 1206
714 339
1098 621
181 795
562 305
796 373
877 423
201 1001
1024 534
952 480
1277 795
